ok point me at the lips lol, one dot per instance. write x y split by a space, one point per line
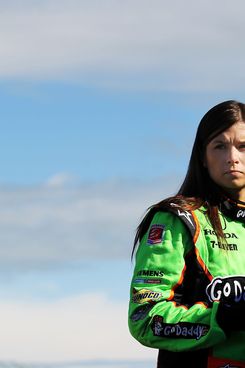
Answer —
233 172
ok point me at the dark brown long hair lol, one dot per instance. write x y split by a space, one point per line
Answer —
198 189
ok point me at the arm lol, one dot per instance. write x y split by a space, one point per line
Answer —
155 319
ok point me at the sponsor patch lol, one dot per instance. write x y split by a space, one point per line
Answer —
228 289
141 312
145 296
223 245
152 273
240 213
182 330
155 234
227 235
147 281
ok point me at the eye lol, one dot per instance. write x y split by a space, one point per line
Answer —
219 146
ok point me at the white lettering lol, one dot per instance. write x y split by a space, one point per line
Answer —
227 289
218 292
240 213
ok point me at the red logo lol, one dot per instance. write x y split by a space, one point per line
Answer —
155 234
224 363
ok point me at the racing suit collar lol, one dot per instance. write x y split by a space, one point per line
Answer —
233 209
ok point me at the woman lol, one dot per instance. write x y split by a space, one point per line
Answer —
188 287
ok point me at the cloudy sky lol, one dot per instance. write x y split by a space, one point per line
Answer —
99 104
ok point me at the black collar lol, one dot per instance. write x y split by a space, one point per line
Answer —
233 209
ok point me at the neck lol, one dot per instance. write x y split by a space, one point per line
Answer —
235 195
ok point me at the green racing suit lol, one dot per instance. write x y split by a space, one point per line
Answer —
187 295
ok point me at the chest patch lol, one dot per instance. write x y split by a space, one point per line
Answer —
229 289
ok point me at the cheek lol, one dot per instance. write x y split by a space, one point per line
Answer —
208 161
208 158
213 165
214 173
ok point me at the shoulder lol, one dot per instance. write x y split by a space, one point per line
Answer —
170 214
178 218
177 223
166 231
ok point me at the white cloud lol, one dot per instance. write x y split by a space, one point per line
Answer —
61 221
89 327
142 44
60 180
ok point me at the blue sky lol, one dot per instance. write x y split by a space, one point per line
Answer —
100 101
93 134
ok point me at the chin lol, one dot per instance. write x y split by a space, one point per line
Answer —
235 184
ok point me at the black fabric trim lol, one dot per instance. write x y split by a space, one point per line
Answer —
185 216
195 281
190 359
233 210
193 287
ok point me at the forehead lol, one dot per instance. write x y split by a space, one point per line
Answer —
234 132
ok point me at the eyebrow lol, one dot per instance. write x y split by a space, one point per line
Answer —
223 140
219 140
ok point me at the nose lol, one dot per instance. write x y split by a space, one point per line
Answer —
233 156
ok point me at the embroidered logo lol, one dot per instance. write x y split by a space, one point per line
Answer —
228 289
153 273
147 281
141 312
184 330
240 213
187 215
155 234
145 296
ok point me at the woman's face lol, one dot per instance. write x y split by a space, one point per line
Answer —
225 160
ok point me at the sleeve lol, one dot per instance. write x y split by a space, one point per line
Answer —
155 319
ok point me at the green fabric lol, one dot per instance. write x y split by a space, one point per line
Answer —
160 323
